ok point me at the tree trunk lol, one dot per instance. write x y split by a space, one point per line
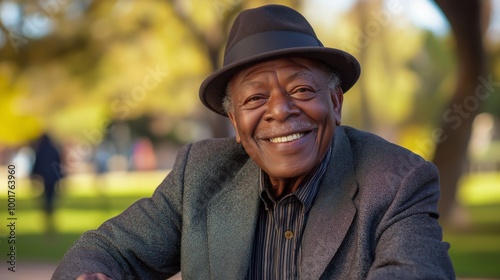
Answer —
363 8
451 151
213 40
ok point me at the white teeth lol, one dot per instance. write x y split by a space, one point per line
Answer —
288 138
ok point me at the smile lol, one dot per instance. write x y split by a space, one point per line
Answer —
284 139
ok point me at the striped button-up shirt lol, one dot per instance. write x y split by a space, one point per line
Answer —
277 245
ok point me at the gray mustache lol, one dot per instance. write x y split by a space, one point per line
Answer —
286 129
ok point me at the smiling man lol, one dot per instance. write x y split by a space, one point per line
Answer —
284 112
295 195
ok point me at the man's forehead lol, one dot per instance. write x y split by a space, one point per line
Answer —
297 67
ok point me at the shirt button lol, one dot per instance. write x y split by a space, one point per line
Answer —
288 234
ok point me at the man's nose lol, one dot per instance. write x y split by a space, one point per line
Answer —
280 106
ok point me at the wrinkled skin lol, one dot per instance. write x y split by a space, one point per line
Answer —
289 98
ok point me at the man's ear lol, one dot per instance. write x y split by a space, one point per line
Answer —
337 96
235 125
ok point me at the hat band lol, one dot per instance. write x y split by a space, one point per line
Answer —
269 41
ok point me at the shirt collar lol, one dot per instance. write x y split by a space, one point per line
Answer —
306 191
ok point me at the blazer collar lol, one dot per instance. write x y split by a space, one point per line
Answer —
332 212
231 222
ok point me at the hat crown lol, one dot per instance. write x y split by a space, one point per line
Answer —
272 32
266 19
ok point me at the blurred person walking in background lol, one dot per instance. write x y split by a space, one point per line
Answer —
46 170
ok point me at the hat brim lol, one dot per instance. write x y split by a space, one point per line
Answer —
213 88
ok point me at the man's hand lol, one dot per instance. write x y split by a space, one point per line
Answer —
95 276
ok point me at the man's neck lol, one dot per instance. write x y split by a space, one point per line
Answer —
280 188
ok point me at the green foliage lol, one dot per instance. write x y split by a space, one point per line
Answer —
113 60
84 64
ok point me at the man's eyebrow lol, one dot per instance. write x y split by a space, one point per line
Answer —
306 75
249 84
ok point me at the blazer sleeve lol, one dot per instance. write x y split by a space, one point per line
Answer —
143 242
409 238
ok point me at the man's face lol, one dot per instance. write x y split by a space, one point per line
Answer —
284 114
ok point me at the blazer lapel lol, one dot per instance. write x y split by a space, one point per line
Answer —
332 212
231 221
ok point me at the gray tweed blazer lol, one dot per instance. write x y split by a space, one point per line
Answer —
374 217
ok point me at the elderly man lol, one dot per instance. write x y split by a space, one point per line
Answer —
293 196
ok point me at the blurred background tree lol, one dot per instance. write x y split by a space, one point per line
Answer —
451 151
79 69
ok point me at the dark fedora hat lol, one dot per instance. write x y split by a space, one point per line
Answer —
269 32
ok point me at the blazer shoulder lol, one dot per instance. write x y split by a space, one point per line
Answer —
370 148
377 162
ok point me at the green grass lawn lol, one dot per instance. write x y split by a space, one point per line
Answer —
475 251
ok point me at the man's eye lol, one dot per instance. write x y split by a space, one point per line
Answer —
303 93
254 98
254 101
304 90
